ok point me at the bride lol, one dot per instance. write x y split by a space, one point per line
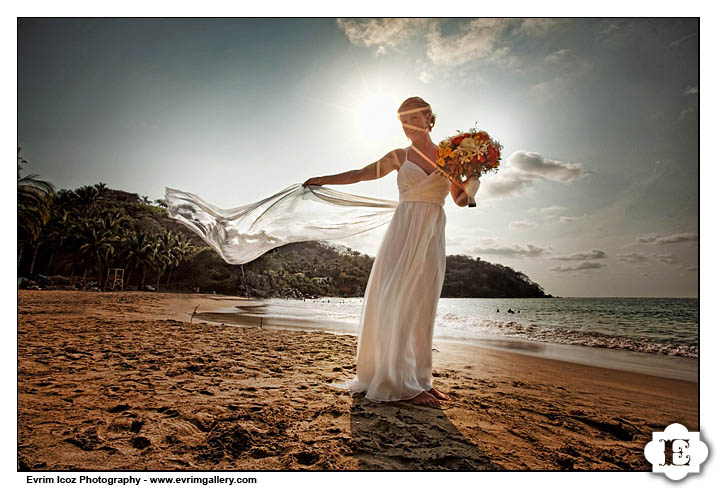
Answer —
394 354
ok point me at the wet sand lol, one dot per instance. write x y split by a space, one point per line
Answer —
123 381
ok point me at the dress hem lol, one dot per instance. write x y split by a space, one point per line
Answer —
346 386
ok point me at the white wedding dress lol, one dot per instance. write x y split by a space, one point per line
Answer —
394 356
402 294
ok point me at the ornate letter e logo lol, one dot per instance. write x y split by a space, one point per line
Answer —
676 452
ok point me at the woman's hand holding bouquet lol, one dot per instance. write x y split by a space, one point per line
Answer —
469 154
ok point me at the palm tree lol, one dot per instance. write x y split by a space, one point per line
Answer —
87 197
97 239
57 232
172 254
101 189
139 255
33 210
184 249
170 251
164 244
59 223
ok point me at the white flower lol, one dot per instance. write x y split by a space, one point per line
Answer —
468 143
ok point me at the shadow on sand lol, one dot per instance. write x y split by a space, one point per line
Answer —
405 436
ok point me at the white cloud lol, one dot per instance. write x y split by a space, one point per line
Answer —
382 32
553 214
532 163
552 210
491 246
515 225
657 239
460 242
690 90
685 112
570 219
609 29
682 40
539 27
581 266
667 258
524 169
557 56
477 39
620 33
594 253
640 257
633 258
510 182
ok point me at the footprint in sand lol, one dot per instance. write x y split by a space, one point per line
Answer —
119 408
125 424
192 425
89 440
306 458
140 442
168 412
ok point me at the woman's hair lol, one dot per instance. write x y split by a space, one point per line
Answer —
418 103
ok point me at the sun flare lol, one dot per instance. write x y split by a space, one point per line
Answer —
375 120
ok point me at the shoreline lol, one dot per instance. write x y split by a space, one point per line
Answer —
669 367
110 381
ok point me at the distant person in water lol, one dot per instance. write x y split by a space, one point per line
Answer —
510 311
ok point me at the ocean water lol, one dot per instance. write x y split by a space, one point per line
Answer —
663 326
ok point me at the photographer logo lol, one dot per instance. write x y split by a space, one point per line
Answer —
676 452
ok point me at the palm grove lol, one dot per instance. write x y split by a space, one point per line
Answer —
84 232
90 229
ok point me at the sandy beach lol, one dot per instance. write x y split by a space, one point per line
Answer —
124 381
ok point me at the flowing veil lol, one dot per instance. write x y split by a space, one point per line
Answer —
295 214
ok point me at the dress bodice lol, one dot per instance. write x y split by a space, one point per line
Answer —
416 185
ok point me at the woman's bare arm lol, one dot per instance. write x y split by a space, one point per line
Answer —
376 170
380 168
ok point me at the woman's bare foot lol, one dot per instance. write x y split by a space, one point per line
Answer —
425 398
438 394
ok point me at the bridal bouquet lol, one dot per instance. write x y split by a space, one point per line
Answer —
469 154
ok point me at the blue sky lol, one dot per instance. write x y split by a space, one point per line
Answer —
598 190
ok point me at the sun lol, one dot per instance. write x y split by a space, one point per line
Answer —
366 106
374 118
